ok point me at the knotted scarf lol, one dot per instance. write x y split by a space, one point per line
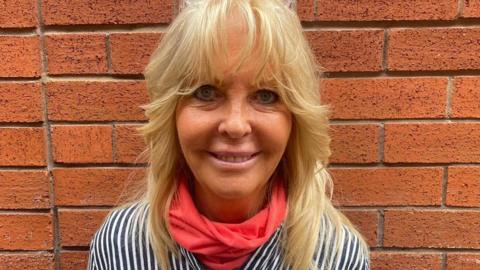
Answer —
224 246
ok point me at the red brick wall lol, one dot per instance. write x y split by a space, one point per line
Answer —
403 79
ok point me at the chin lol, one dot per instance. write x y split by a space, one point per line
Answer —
234 188
232 192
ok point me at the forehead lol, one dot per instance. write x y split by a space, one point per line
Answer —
236 40
236 31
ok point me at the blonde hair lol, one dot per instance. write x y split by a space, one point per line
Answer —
184 60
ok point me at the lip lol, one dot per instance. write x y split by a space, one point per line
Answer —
221 164
234 153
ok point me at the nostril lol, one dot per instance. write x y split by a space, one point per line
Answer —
235 129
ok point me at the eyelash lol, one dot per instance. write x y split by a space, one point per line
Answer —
275 95
197 93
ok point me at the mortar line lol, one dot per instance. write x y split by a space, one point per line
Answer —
381 227
368 121
176 7
106 28
460 8
48 141
19 80
308 26
444 187
32 31
416 250
27 211
78 166
398 165
99 78
399 24
326 76
22 252
97 123
450 209
400 73
450 90
114 147
386 35
443 262
381 143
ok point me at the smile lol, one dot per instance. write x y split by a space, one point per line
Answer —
234 160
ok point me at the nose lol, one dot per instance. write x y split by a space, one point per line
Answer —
235 123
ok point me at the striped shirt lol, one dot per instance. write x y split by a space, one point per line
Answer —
113 248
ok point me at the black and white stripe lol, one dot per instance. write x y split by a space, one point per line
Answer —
113 248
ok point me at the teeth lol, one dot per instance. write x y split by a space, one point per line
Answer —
233 159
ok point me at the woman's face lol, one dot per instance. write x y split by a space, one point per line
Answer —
233 135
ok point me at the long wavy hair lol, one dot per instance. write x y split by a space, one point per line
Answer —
184 59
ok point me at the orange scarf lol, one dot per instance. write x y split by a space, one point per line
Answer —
224 246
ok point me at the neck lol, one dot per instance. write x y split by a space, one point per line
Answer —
235 210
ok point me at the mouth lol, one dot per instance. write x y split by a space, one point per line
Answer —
234 158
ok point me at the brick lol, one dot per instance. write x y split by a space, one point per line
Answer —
76 54
388 186
354 143
463 261
434 49
82 144
74 12
306 10
21 102
73 260
432 142
131 51
465 97
26 232
96 101
406 261
22 147
366 222
359 50
463 186
18 261
20 56
471 9
379 10
18 14
129 144
24 189
391 98
86 187
432 229
77 227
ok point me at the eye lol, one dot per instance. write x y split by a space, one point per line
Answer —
265 96
205 93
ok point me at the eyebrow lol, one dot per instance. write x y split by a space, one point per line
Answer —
260 86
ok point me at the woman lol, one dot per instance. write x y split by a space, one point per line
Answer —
238 148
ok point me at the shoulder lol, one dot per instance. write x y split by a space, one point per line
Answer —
121 221
120 229
343 247
355 254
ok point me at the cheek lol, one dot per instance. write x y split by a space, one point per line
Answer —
192 129
276 130
285 128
